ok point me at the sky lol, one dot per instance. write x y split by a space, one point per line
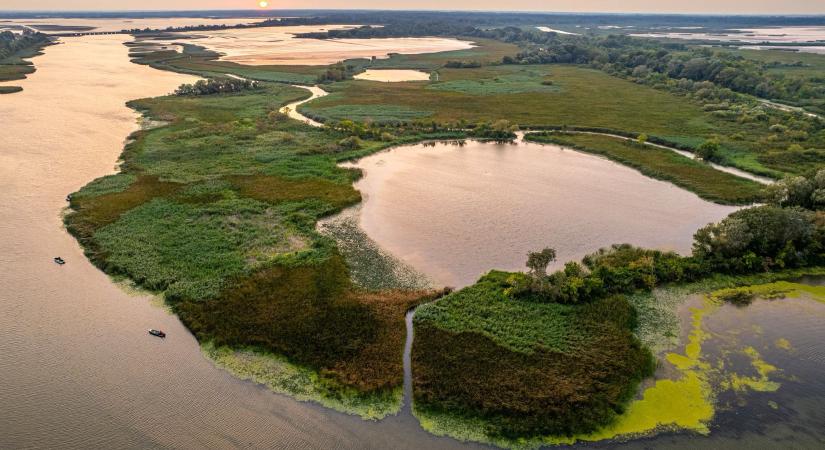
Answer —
654 6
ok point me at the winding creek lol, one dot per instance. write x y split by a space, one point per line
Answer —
79 370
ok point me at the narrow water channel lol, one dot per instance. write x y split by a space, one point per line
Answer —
291 109
408 385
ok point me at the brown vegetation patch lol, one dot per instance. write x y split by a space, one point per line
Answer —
273 189
529 394
312 315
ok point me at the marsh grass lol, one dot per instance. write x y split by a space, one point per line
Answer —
525 369
578 97
216 210
304 384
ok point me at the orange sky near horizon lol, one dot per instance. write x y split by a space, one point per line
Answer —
652 6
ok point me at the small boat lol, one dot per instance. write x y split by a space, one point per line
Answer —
157 333
60 260
69 198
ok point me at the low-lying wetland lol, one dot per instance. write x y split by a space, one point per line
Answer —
296 271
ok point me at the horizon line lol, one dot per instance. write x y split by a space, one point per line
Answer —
486 11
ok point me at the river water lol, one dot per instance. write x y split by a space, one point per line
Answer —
78 368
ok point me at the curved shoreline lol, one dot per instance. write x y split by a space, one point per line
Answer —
727 169
292 110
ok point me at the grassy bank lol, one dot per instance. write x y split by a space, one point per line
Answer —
217 211
536 96
662 164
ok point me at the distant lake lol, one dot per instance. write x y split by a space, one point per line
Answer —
279 46
777 35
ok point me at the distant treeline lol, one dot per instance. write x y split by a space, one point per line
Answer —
674 66
592 22
216 86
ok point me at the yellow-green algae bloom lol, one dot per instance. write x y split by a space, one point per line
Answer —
684 403
760 383
783 344
778 289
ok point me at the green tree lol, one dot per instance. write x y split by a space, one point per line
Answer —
537 262
709 150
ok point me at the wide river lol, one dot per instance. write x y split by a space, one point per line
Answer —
78 369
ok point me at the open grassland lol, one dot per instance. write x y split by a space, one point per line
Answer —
786 62
217 210
662 164
516 93
564 95
525 369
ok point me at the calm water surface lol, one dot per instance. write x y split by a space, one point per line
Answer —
392 75
454 212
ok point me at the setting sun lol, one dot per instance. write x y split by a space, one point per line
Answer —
263 4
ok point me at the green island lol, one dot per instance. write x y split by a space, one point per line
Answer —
217 208
15 49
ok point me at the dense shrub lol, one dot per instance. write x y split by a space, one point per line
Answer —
619 269
760 238
11 43
805 192
216 86
575 379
